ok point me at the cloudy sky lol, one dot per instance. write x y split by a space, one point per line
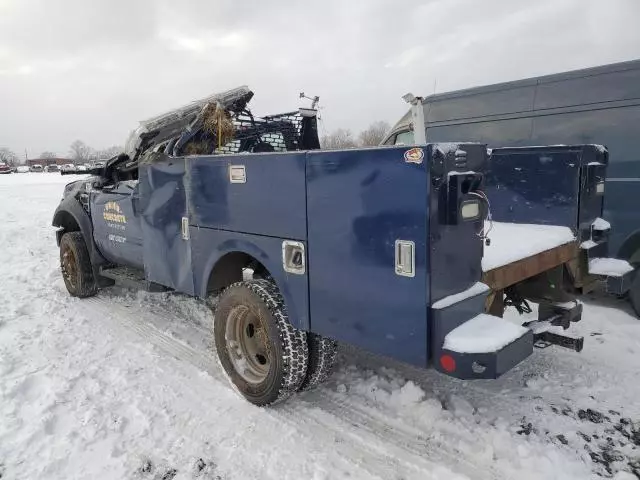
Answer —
90 69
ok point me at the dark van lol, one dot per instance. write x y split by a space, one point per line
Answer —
598 105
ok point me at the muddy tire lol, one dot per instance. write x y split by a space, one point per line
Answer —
322 358
263 355
75 265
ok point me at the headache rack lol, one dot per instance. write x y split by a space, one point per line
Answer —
218 124
274 133
223 124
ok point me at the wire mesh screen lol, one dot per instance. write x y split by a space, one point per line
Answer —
275 133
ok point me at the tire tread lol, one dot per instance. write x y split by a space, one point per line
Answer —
86 284
293 341
323 352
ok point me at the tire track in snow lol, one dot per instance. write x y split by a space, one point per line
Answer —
395 443
182 352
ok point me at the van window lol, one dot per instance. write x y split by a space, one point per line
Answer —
404 138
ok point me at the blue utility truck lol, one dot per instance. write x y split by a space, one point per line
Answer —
380 248
599 105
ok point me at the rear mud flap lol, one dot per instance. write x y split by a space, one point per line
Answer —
467 344
620 285
617 284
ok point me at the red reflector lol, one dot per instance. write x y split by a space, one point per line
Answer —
448 363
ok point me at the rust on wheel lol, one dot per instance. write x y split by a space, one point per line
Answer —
248 344
69 266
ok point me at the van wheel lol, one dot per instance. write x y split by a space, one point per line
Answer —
322 358
634 295
263 355
75 265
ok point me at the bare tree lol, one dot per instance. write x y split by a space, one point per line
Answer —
110 152
374 134
79 151
48 154
341 138
8 157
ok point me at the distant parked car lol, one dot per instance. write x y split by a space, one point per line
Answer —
81 168
69 167
99 164
51 168
36 168
4 168
22 169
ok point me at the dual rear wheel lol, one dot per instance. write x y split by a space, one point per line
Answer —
265 357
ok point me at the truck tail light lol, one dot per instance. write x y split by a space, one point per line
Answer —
448 363
600 188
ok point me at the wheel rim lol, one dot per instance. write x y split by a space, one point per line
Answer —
68 265
248 344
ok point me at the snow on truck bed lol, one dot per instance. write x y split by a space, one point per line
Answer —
511 242
483 334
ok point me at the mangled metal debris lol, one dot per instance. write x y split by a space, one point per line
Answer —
223 123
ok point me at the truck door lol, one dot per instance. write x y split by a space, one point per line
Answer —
116 223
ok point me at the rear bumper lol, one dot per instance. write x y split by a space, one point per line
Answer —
617 274
621 285
488 365
485 350
469 345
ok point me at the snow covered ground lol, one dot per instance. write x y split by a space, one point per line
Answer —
126 386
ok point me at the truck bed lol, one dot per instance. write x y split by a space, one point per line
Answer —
520 251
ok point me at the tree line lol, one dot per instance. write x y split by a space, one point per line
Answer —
344 138
79 152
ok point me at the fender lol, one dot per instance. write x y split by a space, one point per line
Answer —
70 207
630 247
266 250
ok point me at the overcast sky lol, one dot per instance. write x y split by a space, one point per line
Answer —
91 69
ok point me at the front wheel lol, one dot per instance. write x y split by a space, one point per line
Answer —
75 264
264 356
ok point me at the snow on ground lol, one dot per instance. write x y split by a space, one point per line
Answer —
126 386
511 242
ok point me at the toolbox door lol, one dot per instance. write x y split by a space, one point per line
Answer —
367 249
167 247
536 186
